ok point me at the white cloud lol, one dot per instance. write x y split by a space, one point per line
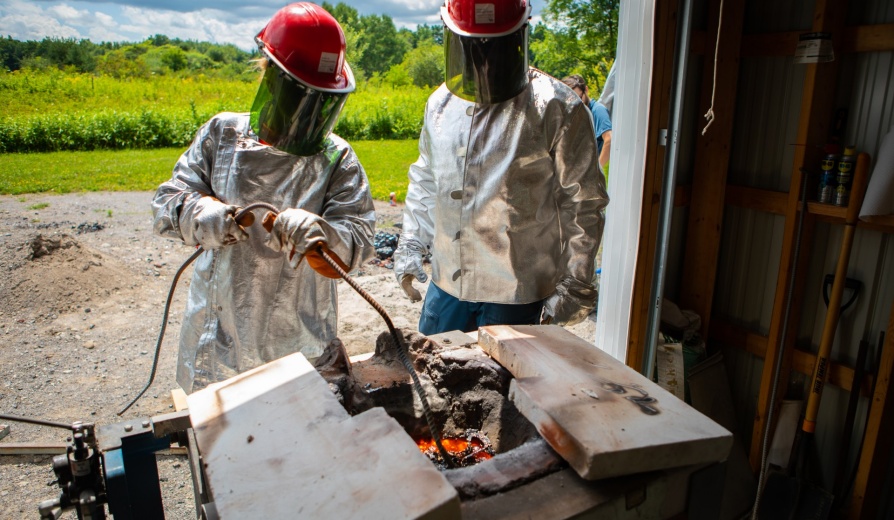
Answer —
204 25
24 21
218 21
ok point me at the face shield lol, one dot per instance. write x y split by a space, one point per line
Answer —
486 69
291 116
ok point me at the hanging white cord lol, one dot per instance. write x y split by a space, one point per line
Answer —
710 114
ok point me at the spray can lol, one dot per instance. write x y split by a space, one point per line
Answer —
827 182
844 176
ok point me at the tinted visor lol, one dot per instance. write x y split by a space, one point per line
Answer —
486 70
291 116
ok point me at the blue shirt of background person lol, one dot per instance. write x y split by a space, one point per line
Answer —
602 122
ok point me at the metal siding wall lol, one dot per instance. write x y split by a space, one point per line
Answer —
794 15
867 12
768 108
868 90
767 111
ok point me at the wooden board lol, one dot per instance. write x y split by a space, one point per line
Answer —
179 398
33 448
277 444
601 416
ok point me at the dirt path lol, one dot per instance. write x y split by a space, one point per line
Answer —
83 289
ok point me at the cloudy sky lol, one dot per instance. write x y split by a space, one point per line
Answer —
219 21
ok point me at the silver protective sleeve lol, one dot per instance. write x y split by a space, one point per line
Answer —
509 196
246 305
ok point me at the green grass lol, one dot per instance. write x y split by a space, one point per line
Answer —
66 172
385 162
54 111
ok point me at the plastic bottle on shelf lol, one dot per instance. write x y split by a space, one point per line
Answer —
844 176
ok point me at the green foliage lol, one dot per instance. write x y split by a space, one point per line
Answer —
54 111
425 64
382 46
380 111
385 162
577 37
158 54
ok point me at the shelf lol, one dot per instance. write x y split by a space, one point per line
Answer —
774 202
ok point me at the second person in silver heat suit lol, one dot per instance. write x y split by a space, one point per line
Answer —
507 195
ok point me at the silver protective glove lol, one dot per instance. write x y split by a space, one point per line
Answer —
570 304
408 259
297 231
214 224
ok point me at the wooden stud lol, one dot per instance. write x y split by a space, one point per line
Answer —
712 162
876 453
813 131
760 200
840 375
662 78
862 38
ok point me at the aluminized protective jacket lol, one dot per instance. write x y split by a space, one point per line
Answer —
246 305
509 197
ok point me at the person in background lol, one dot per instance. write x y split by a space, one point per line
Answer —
252 299
602 121
506 196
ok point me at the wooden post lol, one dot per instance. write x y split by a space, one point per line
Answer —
712 159
876 453
662 79
813 132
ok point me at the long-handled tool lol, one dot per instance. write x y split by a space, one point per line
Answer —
327 264
821 369
786 495
811 499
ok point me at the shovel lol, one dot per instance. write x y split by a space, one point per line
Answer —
796 496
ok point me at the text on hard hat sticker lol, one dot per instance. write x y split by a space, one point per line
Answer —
484 13
328 62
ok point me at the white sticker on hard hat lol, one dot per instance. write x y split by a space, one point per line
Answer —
484 13
328 62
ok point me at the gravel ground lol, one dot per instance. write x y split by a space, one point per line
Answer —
84 286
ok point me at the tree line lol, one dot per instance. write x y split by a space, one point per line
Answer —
575 36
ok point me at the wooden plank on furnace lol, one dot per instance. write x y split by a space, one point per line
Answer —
277 444
600 415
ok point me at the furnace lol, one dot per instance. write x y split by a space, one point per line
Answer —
575 432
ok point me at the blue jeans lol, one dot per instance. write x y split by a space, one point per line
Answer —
442 312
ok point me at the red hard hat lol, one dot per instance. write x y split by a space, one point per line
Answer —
307 43
485 18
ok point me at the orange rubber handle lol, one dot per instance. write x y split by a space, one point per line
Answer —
314 257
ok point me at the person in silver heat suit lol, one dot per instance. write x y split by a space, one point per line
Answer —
252 299
507 195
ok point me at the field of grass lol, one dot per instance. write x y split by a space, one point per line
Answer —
55 111
386 164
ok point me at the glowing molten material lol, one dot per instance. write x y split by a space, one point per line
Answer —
465 451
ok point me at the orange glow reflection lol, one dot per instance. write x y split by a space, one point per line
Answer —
458 447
